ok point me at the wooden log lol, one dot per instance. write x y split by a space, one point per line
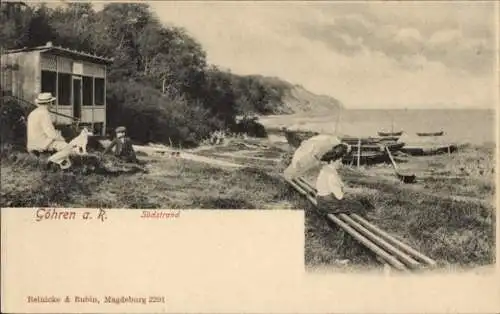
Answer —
393 240
408 260
394 262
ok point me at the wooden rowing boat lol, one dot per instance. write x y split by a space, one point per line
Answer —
372 149
351 140
389 138
430 133
390 134
294 138
428 149
365 157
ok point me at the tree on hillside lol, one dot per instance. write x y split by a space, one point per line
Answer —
173 61
40 31
14 21
159 78
74 25
219 95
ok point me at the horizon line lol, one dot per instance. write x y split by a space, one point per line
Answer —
419 108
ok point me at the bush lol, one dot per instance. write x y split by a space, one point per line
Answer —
251 127
151 116
12 125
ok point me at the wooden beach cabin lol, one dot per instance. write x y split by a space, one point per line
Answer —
76 79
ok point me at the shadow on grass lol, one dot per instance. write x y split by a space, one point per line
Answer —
48 189
224 203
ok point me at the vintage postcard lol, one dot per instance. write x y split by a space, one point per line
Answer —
249 156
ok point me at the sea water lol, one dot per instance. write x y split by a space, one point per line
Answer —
459 125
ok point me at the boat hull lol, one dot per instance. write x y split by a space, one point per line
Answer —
372 150
430 133
366 158
390 134
416 150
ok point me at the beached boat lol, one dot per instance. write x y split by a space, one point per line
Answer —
428 144
294 138
371 151
426 149
366 157
393 146
441 133
351 140
376 145
373 143
390 138
390 134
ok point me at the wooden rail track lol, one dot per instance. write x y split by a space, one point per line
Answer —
387 249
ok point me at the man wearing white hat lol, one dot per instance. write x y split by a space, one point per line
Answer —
42 135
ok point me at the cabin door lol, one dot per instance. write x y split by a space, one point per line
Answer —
77 97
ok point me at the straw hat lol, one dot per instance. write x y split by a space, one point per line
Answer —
44 98
121 129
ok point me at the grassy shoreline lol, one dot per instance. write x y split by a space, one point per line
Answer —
449 215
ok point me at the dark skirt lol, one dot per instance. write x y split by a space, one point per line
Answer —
330 205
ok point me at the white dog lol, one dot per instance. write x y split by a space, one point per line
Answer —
78 146
79 143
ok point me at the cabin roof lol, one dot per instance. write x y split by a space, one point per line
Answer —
64 51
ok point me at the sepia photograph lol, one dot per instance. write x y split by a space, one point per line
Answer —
377 120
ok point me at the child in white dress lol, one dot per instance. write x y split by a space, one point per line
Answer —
329 185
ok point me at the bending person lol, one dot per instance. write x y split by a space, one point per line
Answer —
324 151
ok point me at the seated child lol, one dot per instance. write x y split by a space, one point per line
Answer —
122 147
330 188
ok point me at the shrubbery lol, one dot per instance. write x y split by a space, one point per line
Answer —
159 85
151 116
250 126
12 125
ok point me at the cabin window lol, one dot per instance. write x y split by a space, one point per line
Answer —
49 82
99 92
88 91
6 82
64 90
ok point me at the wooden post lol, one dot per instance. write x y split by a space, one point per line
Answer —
92 103
105 103
392 125
359 151
57 92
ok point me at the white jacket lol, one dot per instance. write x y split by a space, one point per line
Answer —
40 130
308 154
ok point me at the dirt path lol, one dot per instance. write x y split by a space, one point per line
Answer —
243 155
209 160
167 152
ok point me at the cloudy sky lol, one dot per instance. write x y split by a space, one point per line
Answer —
366 55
